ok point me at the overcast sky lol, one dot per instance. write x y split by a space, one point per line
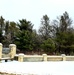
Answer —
33 10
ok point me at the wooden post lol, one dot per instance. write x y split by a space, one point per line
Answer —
12 48
45 57
1 51
64 57
21 57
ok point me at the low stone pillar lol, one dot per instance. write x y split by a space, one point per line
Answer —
44 57
12 48
21 57
64 57
1 50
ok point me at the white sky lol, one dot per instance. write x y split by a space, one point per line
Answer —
33 10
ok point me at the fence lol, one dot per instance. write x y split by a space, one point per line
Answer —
7 53
10 54
44 57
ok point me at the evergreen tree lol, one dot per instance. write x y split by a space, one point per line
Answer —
63 32
1 29
24 36
45 33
